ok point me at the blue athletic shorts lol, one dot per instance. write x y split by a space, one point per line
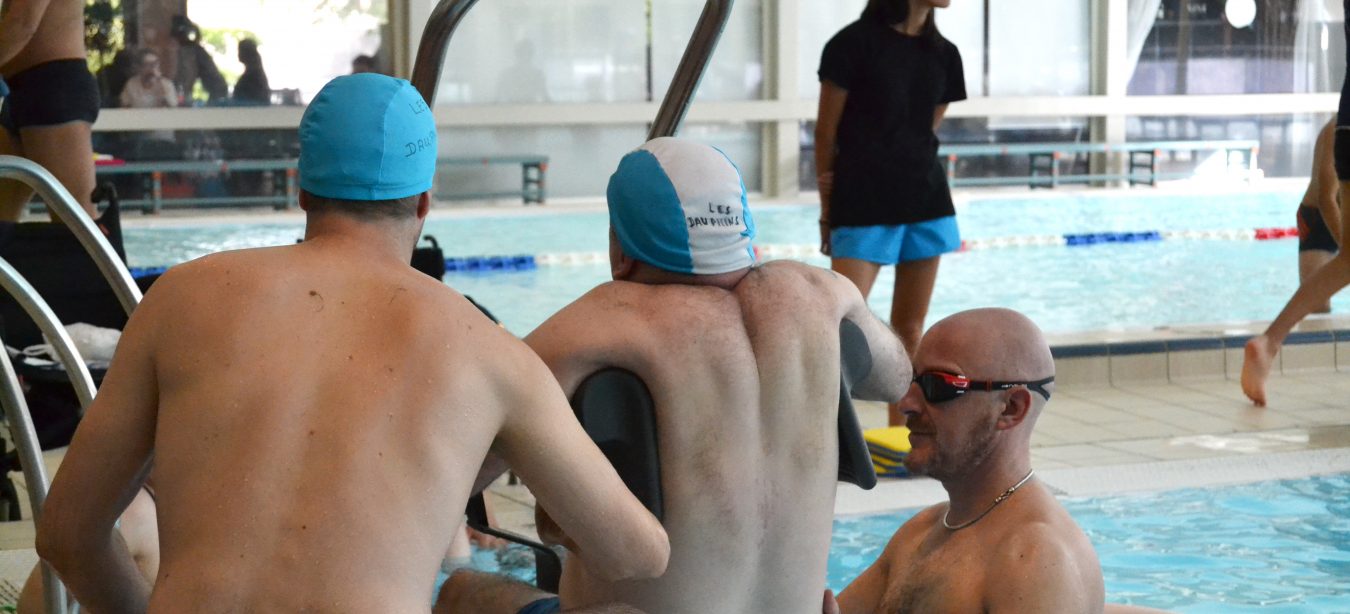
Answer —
896 244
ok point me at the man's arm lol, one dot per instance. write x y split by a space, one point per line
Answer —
613 534
108 461
18 24
1035 571
891 371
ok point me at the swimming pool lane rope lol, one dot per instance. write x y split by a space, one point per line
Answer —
504 264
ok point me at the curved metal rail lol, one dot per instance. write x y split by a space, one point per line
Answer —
34 472
13 282
446 16
69 211
692 67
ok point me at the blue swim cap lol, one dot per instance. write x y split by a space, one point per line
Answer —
680 206
367 137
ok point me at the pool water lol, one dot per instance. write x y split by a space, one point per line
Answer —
1279 546
1113 286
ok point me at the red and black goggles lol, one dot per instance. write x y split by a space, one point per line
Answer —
939 387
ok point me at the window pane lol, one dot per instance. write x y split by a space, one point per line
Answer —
1286 140
1190 48
526 51
1024 61
736 71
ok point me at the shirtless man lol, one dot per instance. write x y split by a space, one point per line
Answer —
317 413
743 363
1002 543
49 113
1333 276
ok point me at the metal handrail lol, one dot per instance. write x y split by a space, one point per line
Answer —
446 16
27 297
34 471
67 210
692 67
426 76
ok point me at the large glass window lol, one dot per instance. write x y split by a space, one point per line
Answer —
172 53
1286 140
736 71
1190 47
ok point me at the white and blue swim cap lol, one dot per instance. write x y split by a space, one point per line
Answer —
367 137
680 206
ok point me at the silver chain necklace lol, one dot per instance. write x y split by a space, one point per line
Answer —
1000 499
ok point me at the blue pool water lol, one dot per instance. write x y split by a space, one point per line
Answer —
1063 289
1273 547
1280 546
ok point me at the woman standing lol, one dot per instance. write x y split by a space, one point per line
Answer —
885 82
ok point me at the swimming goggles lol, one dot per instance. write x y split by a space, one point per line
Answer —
939 387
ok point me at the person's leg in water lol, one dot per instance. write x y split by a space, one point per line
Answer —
137 526
67 152
485 593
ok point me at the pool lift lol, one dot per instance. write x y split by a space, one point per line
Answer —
606 400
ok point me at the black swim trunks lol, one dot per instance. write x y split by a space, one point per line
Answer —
50 94
1313 234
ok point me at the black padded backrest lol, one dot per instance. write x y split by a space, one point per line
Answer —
855 357
616 410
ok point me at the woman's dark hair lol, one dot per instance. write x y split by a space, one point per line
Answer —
891 12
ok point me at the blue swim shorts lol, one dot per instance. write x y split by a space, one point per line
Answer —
543 606
896 244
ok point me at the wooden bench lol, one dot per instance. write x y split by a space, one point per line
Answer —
285 184
1045 160
532 170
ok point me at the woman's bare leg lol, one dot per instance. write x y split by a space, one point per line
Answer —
861 272
914 282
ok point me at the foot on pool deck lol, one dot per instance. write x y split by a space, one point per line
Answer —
1256 361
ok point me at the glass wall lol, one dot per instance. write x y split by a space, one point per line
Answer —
1189 47
171 53
1286 140
737 68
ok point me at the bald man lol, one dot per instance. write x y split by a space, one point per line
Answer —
1002 542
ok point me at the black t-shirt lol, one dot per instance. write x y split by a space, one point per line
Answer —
886 171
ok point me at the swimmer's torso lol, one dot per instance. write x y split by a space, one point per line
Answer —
932 569
745 383
59 36
320 425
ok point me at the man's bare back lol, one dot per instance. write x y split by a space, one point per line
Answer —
745 384
37 31
317 414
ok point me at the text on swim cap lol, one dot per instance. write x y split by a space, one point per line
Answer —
415 147
718 215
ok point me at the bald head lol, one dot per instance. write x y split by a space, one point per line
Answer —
996 344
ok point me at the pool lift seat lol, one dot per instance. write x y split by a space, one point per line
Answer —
17 414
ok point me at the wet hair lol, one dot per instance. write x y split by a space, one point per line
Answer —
366 210
891 12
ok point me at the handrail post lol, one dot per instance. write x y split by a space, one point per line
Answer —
34 472
426 76
691 69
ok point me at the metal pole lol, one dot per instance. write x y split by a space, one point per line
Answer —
692 67
426 75
34 472
69 211
37 309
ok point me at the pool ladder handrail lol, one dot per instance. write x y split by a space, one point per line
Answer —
445 18
67 210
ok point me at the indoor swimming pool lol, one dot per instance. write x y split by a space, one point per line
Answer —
1065 289
1271 547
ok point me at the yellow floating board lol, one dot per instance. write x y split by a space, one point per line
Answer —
895 438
